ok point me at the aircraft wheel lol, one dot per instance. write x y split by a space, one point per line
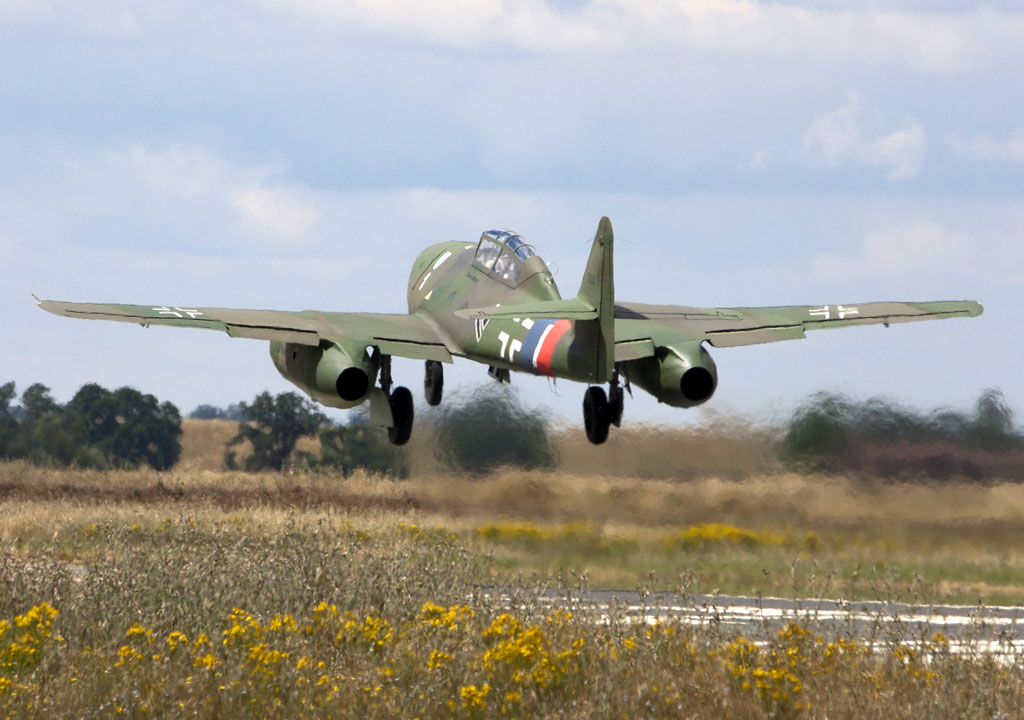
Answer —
595 414
616 401
433 382
402 413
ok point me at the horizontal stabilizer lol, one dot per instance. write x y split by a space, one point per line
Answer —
571 309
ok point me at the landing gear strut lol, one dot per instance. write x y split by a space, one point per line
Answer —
400 402
601 411
433 382
616 400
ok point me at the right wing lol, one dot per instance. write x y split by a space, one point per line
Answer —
639 329
412 336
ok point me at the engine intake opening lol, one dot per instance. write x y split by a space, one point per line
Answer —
352 384
697 384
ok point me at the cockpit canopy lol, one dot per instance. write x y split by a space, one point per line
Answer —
503 253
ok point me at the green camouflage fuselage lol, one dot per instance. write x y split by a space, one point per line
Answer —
445 279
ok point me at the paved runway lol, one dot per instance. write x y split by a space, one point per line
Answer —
970 629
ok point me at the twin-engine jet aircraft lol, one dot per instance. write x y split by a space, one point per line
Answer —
495 302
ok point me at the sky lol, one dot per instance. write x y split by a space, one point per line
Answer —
294 154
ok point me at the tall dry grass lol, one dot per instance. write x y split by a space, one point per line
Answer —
850 539
271 613
207 593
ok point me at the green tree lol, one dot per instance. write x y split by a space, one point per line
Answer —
125 426
51 441
360 445
273 425
42 437
212 412
993 428
147 431
489 428
206 412
37 401
92 413
98 428
9 426
831 432
818 430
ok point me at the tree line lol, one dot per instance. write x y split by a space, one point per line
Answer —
473 434
489 427
98 428
879 437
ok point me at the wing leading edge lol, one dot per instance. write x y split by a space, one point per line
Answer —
639 328
412 336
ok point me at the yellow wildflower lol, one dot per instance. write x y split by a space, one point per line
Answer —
176 638
207 661
474 698
437 658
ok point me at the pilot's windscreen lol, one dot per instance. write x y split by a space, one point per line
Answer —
487 253
506 267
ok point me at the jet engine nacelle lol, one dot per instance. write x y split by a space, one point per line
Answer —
332 374
679 375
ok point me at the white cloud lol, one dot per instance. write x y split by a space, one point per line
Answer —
21 10
897 249
984 148
82 17
184 172
844 135
759 159
927 41
531 24
902 150
183 175
909 247
276 211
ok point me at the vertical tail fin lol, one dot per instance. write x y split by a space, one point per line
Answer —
598 291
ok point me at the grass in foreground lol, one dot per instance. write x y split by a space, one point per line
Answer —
780 535
313 616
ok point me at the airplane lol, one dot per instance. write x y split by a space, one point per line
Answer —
495 302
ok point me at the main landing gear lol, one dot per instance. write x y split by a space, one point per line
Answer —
400 402
433 382
601 410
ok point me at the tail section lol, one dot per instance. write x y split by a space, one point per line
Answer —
598 291
591 356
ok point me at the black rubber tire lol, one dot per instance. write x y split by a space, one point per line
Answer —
616 402
595 414
402 415
433 382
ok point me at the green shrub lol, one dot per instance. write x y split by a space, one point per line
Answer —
489 427
360 445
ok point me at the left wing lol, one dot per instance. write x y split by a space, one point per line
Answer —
412 336
639 328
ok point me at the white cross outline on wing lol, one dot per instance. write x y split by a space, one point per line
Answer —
177 312
825 312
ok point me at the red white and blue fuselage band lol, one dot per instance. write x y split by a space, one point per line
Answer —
540 342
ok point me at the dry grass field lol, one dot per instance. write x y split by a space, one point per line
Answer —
219 594
615 516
